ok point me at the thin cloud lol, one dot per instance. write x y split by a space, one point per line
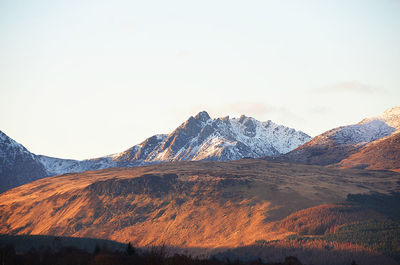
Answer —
349 86
320 110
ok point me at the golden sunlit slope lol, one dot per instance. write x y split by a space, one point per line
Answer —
191 204
381 154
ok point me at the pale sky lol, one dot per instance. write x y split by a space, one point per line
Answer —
82 79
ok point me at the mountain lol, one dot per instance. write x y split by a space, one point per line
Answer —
382 154
212 206
337 144
17 165
221 139
56 166
199 138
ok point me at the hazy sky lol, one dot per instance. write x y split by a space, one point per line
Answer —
80 79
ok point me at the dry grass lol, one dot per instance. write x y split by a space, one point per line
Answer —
207 204
383 154
327 218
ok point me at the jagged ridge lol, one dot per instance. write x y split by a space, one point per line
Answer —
199 138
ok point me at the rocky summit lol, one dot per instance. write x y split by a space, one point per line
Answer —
198 138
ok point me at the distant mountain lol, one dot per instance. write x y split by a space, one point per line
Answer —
337 144
17 165
199 138
222 139
57 166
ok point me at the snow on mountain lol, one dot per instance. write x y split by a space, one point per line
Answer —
203 138
366 131
134 156
10 149
137 154
17 165
390 117
199 138
334 145
57 166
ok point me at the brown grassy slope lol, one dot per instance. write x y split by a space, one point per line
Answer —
383 154
326 218
191 204
321 150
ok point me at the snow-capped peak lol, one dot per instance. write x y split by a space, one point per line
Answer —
382 125
17 164
202 116
203 138
391 117
368 130
395 111
10 148
198 138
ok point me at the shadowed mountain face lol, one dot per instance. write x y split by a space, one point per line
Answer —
347 145
199 138
17 165
184 204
